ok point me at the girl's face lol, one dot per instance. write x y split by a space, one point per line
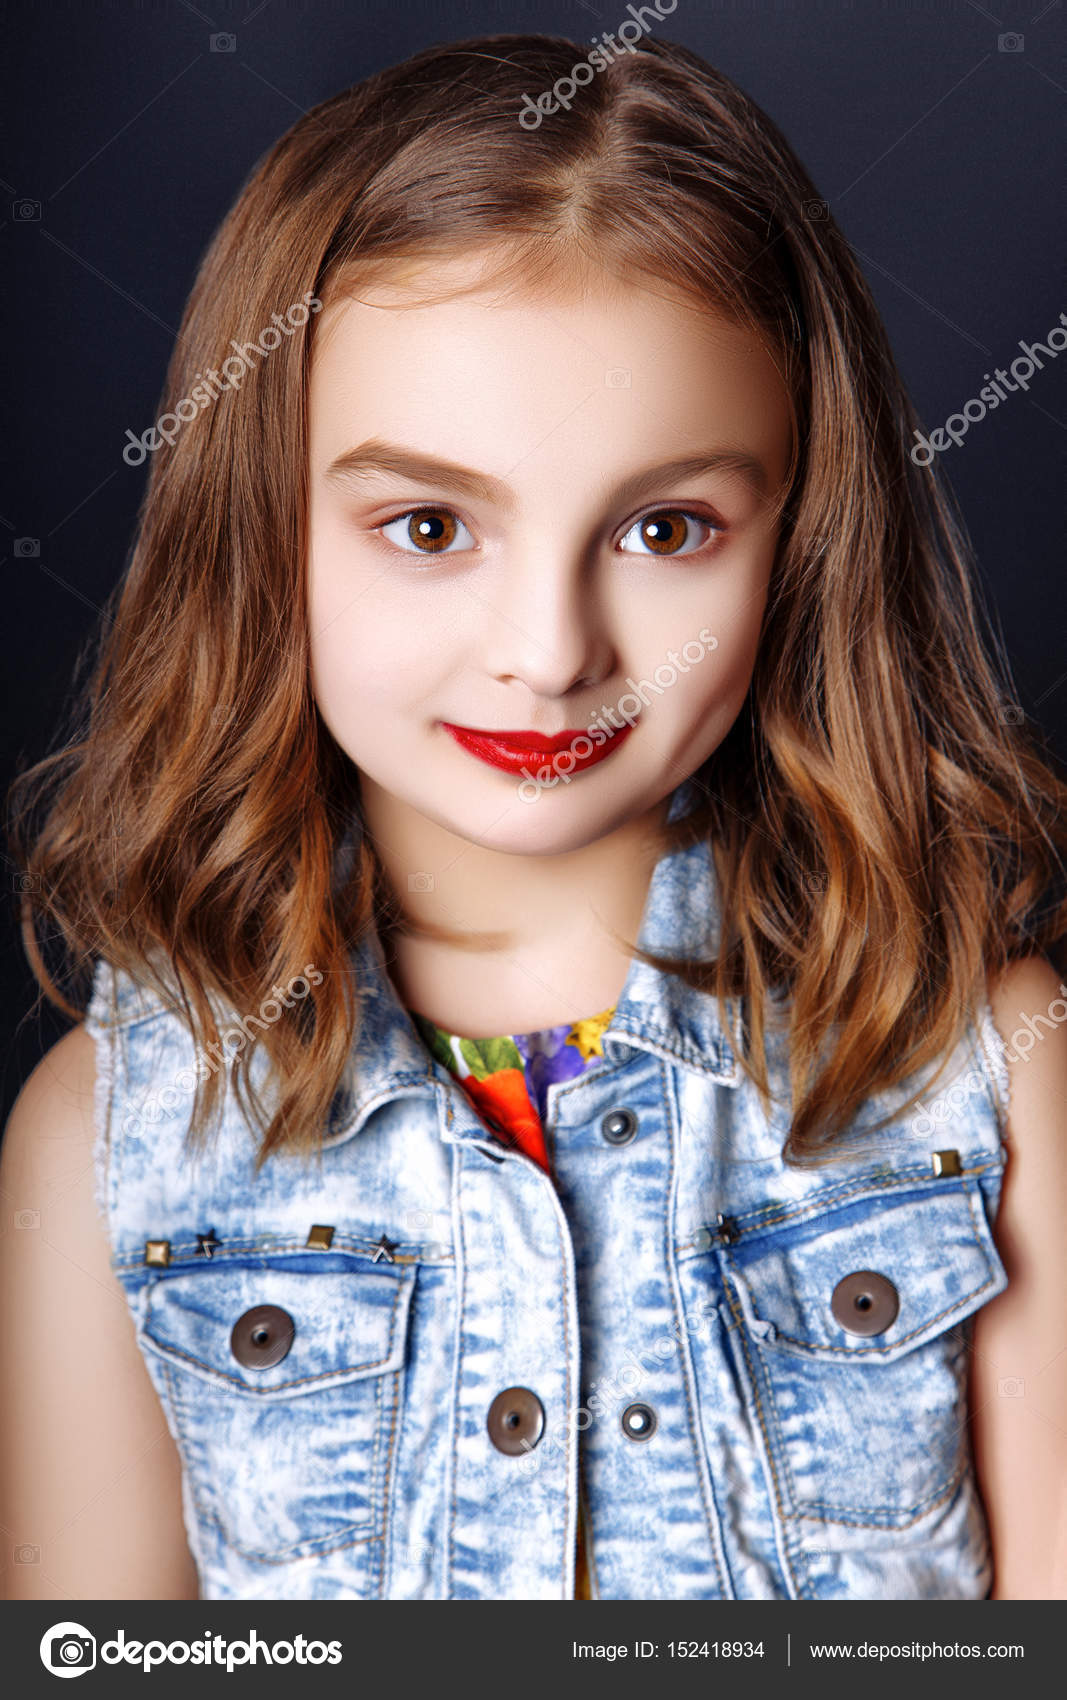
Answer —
599 567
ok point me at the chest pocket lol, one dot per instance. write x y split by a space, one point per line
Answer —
284 1387
852 1329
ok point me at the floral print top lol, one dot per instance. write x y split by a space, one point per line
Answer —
507 1081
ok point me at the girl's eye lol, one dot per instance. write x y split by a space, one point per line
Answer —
429 531
438 531
668 531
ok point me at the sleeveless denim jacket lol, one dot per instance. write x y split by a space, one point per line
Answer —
764 1368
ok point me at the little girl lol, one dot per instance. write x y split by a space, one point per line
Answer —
557 869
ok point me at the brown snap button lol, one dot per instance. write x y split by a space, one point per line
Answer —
516 1420
865 1302
262 1336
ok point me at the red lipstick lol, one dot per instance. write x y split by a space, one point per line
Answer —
519 752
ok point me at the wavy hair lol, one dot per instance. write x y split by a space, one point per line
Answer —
886 836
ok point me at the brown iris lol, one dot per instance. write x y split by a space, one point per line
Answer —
666 531
432 529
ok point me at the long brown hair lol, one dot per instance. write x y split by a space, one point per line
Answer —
885 835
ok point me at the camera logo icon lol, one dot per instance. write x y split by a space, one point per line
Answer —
68 1649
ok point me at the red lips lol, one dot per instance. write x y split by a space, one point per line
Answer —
519 751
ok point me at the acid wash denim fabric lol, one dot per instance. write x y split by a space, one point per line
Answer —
688 1269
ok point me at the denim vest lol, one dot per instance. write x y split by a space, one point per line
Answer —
379 1365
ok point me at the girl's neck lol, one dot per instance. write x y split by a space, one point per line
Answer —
507 943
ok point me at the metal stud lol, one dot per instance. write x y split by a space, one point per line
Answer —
206 1243
320 1237
385 1248
157 1251
619 1127
639 1422
946 1162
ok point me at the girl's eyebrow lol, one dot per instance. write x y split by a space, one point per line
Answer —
377 456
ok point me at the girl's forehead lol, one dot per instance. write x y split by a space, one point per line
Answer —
454 359
492 280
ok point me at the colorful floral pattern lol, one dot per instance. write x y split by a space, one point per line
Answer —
507 1078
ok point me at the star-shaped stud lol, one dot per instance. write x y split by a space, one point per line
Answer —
207 1242
385 1248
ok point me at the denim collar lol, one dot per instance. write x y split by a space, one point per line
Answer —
655 1011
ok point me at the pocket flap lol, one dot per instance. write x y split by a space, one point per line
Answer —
934 1248
346 1325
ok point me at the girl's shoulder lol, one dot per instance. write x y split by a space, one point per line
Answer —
1028 1007
72 1349
1020 1443
57 1100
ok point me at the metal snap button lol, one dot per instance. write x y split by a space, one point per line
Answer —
262 1336
619 1127
638 1422
516 1420
865 1302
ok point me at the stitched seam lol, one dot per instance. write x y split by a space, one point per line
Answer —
273 1248
387 1481
773 1415
362 1112
603 1071
376 1495
883 1514
282 1555
877 1352
320 1544
457 1381
697 1060
573 1461
185 1451
772 1465
261 1392
711 1513
925 1506
774 1213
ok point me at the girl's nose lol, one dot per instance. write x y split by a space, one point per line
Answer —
544 624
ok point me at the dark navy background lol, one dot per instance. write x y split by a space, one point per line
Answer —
933 131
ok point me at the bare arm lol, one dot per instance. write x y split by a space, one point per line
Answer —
1019 1365
90 1483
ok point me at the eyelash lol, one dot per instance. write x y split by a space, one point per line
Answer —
430 556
